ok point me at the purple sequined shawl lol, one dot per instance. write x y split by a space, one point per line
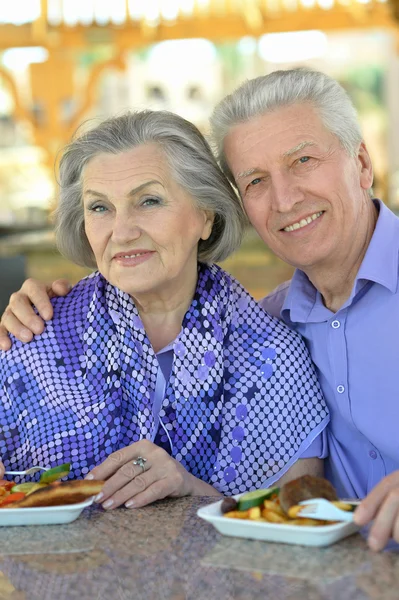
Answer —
241 405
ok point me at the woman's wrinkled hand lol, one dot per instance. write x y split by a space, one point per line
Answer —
2 469
127 483
20 319
382 507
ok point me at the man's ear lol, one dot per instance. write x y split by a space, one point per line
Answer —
365 167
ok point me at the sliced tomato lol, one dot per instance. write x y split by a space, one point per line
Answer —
11 498
6 484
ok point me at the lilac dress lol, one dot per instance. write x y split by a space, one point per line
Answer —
241 405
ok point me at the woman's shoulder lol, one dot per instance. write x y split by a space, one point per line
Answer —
250 318
81 294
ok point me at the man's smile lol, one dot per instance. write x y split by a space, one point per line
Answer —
303 222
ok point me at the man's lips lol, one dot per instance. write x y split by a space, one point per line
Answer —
302 222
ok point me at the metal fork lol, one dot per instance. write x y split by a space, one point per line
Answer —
320 508
28 471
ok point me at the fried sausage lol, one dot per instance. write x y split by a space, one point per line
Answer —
304 488
60 492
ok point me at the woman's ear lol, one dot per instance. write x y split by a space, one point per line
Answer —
208 224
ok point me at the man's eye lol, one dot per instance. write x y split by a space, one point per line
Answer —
256 181
304 159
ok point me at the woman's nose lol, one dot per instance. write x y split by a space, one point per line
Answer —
125 228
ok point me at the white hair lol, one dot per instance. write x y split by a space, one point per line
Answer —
268 93
193 166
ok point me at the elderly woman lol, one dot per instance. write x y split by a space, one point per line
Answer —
158 373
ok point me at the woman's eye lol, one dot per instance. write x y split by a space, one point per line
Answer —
97 208
304 159
256 181
151 202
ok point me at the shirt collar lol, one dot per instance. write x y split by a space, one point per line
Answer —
380 263
303 302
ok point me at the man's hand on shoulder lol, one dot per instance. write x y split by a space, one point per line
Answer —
20 319
382 507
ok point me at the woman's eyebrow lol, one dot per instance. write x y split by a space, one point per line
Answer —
132 192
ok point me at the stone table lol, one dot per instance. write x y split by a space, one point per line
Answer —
165 552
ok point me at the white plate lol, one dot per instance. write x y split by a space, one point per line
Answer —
322 535
42 515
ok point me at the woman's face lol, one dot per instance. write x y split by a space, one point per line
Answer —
142 226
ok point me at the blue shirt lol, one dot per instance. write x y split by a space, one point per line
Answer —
356 353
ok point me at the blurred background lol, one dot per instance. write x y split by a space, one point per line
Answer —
63 61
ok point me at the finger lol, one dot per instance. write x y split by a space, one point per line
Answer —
368 508
396 530
36 293
157 491
2 469
385 522
5 342
13 325
117 493
60 287
164 478
111 465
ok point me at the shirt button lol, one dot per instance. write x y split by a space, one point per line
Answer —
373 454
340 389
335 324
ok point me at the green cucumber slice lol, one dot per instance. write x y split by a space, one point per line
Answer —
255 498
55 473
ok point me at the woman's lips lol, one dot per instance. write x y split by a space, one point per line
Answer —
132 259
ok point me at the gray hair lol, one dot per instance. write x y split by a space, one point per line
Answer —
267 93
193 166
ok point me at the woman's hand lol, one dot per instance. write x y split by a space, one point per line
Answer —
19 317
127 483
2 469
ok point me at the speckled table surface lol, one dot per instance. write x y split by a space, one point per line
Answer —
166 552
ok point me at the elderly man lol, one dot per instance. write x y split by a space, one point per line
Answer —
291 144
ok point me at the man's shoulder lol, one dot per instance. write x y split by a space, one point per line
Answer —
274 301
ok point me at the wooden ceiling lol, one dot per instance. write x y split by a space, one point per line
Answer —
135 23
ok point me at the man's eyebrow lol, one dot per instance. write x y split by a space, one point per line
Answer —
130 194
246 173
297 148
289 152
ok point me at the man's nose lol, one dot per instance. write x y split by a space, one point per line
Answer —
286 193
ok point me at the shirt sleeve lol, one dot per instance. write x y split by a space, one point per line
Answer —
318 448
273 303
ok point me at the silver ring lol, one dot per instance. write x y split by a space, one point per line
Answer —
140 462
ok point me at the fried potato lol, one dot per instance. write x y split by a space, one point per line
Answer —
294 510
273 517
308 522
274 506
237 514
342 505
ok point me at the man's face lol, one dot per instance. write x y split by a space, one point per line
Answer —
302 192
